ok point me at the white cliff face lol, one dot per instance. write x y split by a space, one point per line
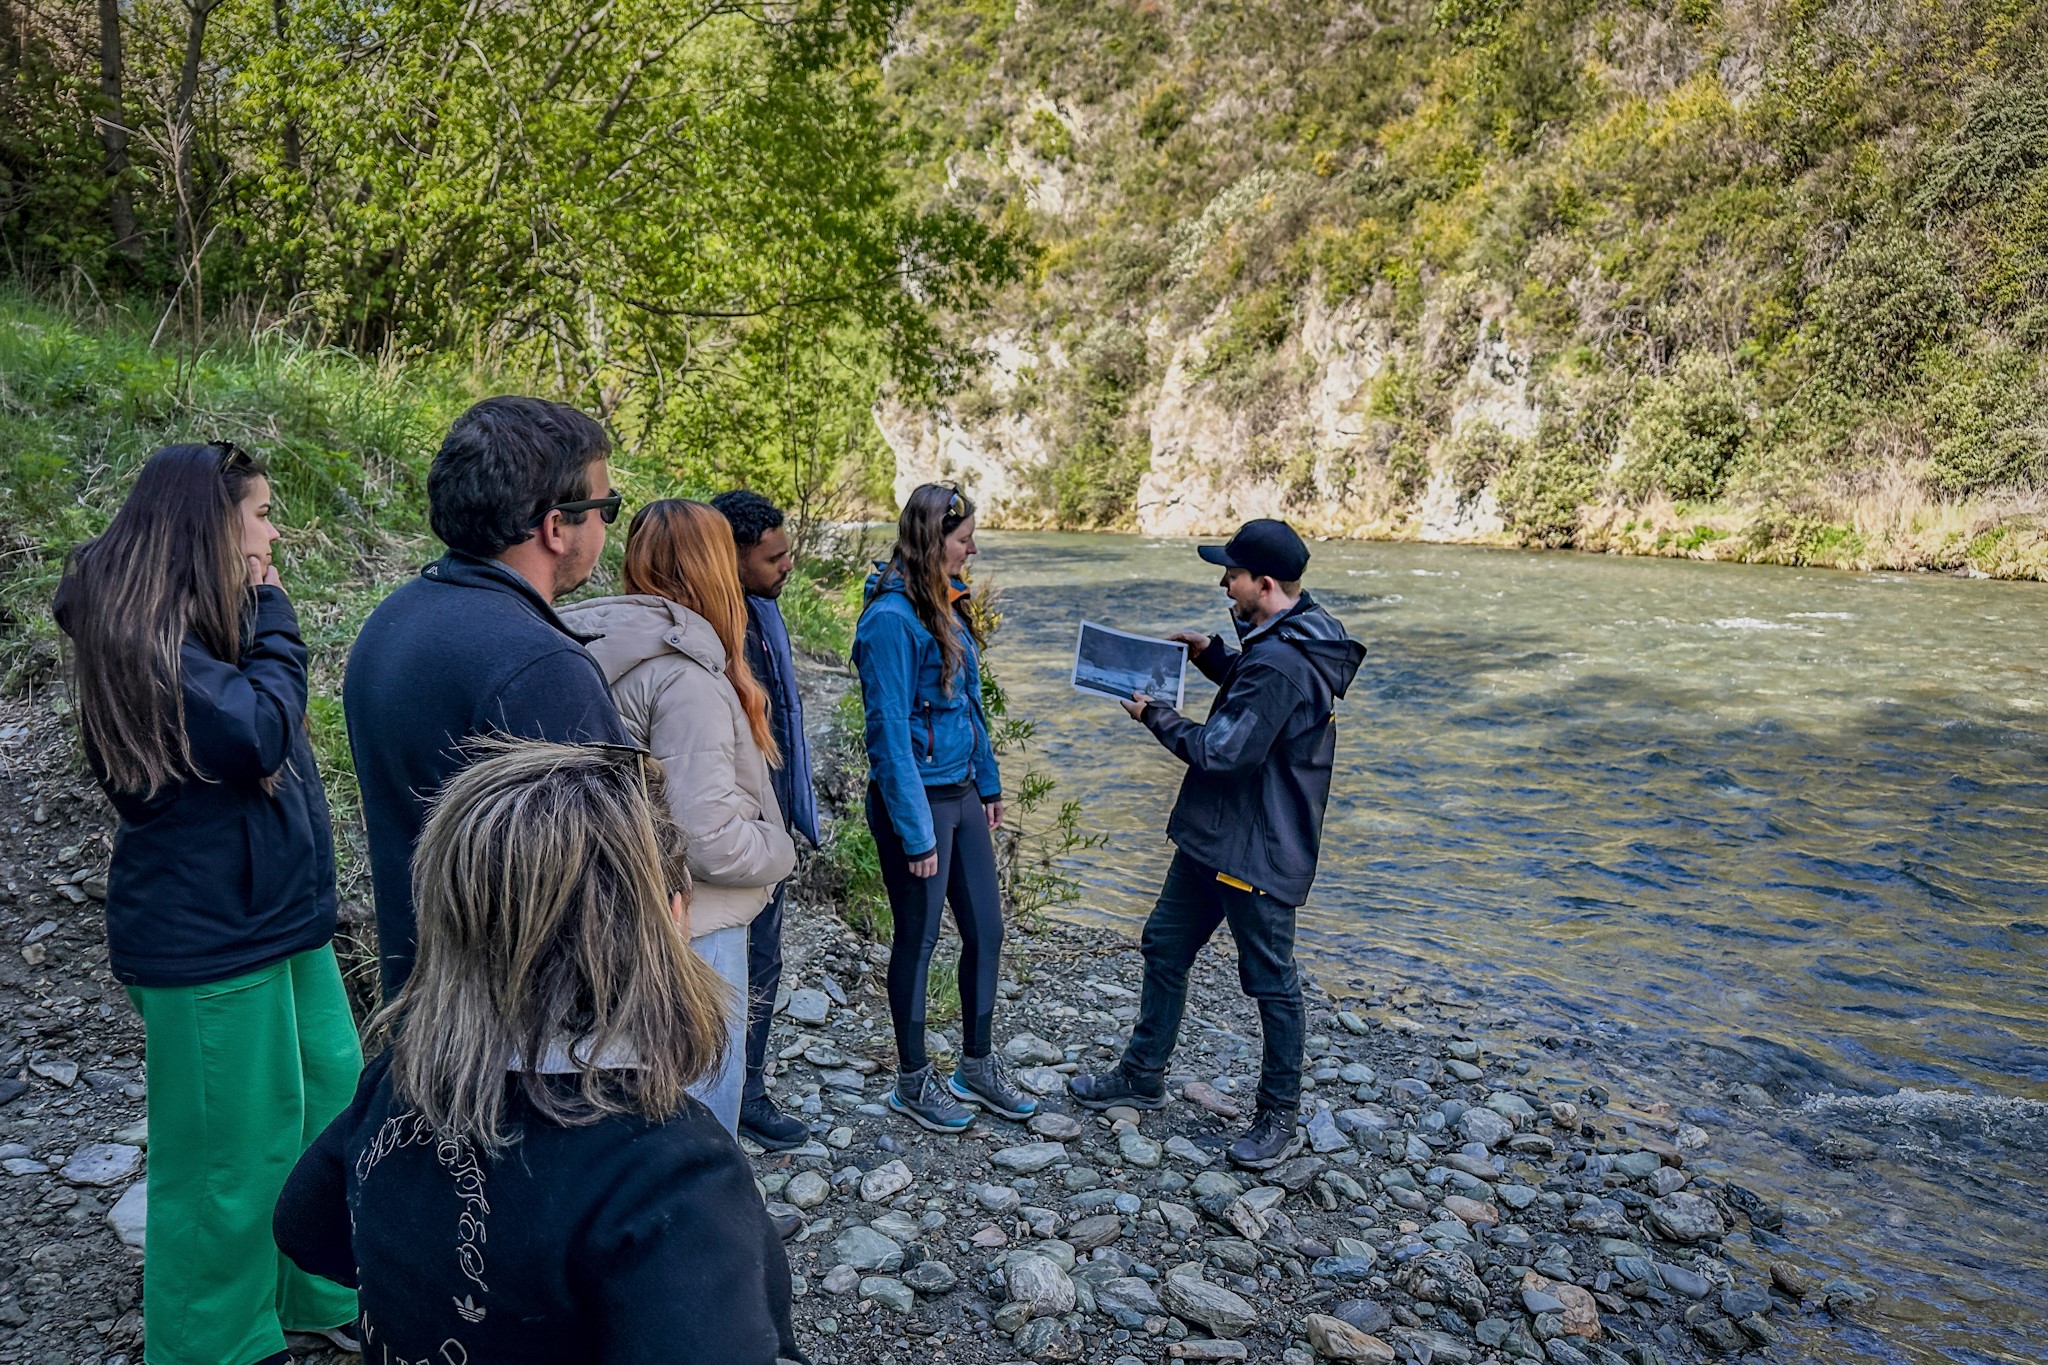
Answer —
1213 469
994 461
1309 455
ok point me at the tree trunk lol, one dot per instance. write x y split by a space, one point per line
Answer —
113 133
183 131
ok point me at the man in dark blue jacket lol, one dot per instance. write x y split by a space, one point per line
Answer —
765 565
1247 827
521 495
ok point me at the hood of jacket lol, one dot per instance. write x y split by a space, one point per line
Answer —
887 578
628 631
1320 637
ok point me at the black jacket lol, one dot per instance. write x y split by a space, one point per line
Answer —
1258 777
466 649
215 877
619 1242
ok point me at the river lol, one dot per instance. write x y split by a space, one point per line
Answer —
1765 843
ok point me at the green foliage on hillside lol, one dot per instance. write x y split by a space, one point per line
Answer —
690 218
1767 255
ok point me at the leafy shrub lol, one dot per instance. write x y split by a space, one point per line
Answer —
1885 301
1162 113
1252 330
1048 135
1989 421
1543 489
2003 137
1687 431
1480 453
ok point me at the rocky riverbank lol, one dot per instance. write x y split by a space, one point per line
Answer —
1451 1206
1455 1204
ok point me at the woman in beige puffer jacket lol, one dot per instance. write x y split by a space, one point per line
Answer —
672 651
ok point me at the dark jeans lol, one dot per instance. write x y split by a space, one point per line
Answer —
967 878
1191 904
764 979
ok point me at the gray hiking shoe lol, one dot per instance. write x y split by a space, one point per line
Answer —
981 1082
925 1100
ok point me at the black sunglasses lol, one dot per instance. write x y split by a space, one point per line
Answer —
956 506
606 507
230 452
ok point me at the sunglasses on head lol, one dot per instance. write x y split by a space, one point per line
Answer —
230 452
606 507
956 506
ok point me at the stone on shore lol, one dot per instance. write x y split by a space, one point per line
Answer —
809 1006
1040 1284
865 1249
102 1163
1574 1306
1335 1339
885 1182
1137 1149
1207 1305
1030 1158
129 1218
1028 1049
1687 1218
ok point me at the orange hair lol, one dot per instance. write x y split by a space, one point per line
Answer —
684 551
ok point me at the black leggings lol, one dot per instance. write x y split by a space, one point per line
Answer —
966 876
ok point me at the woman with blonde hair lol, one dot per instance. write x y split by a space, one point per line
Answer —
523 1175
673 651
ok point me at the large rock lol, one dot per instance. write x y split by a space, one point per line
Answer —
1485 1127
1336 1339
931 1277
885 1182
1057 1127
1137 1149
865 1249
997 1199
809 1006
102 1163
807 1190
1129 1294
1040 1284
129 1218
1447 1278
1324 1135
1207 1305
1575 1307
1030 1158
1686 1218
1028 1049
1097 1231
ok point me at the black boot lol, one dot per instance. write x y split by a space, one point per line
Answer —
762 1123
1108 1089
1272 1138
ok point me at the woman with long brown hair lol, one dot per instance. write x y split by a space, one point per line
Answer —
189 681
673 650
934 798
523 1176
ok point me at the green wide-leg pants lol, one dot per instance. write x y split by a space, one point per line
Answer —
243 1074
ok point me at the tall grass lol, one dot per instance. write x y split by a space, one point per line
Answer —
348 444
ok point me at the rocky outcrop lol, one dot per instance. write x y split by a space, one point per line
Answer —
1308 450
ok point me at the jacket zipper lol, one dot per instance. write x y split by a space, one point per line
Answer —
931 736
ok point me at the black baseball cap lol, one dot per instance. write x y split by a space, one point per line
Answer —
1264 547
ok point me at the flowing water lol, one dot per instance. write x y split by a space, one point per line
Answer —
1766 843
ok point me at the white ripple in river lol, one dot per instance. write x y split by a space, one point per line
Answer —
1786 821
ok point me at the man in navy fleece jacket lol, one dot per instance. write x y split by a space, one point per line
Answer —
521 494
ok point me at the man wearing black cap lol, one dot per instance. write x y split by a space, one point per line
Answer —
1247 827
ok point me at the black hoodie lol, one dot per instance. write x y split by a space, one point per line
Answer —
1251 806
